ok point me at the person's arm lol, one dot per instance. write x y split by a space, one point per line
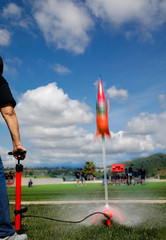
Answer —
10 117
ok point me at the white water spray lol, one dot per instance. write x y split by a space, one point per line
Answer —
105 172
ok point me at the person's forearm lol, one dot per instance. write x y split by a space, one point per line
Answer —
10 117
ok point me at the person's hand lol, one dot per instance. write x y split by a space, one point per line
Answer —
20 156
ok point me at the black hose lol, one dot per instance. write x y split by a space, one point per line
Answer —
65 221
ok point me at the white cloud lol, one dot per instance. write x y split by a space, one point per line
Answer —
68 24
144 124
49 105
151 124
12 10
61 69
115 94
148 15
64 23
162 100
7 160
16 16
11 66
10 71
52 122
120 12
117 12
15 61
124 142
52 125
4 37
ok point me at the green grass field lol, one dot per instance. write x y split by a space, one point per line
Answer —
141 221
93 191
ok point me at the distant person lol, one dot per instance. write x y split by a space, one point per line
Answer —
120 178
117 178
142 175
11 174
113 179
6 176
130 174
30 183
126 174
82 177
136 174
77 175
124 179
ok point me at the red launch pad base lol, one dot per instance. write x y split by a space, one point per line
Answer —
111 212
106 211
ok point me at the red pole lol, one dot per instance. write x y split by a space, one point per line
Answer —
18 202
18 209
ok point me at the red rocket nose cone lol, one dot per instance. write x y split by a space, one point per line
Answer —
100 93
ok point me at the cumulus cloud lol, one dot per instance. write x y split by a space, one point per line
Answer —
119 12
49 105
7 160
52 121
162 100
11 66
115 94
12 10
150 124
53 124
4 37
148 15
124 142
61 69
68 24
143 124
16 16
64 23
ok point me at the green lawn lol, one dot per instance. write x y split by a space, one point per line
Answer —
141 221
93 191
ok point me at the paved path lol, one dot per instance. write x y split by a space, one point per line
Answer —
91 201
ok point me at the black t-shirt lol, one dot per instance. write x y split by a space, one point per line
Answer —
142 172
5 93
130 170
77 175
82 174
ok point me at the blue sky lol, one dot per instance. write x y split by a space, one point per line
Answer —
54 52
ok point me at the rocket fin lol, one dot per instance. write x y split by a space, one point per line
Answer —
97 134
108 105
108 134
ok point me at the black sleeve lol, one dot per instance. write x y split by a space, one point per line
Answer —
5 94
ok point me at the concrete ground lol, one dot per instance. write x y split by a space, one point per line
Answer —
90 201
